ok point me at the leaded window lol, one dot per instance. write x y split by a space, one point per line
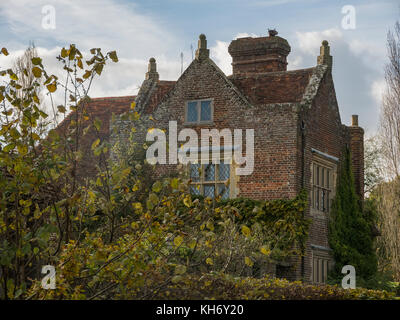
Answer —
322 187
210 180
199 111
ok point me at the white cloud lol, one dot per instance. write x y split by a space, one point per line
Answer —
93 23
88 24
220 55
309 42
378 88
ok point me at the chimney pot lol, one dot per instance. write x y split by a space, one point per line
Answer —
354 120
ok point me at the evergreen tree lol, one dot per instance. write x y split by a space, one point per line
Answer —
349 230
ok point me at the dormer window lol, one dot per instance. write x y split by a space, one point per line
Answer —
199 111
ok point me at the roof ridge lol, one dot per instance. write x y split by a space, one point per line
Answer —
313 85
268 73
114 97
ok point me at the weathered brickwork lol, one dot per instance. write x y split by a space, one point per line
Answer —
294 114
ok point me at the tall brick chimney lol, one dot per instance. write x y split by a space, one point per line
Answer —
357 155
256 55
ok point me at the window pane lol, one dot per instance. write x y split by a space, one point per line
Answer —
322 177
205 114
328 174
195 189
224 170
209 172
317 176
223 191
209 191
192 112
195 172
314 174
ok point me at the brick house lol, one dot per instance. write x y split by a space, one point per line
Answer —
298 133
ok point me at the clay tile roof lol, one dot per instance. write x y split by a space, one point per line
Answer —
162 88
273 87
95 108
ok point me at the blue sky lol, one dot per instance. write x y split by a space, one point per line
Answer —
163 29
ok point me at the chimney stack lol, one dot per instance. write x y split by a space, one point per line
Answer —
257 55
152 70
357 154
202 52
325 57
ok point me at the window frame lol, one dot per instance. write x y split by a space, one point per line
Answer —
198 107
216 182
321 264
324 164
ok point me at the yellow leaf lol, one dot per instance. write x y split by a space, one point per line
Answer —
87 74
248 261
209 261
192 244
95 143
174 183
36 61
246 231
265 251
187 201
37 72
133 105
64 53
178 241
4 51
80 64
61 109
113 56
52 87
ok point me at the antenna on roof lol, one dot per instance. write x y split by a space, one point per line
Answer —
181 63
191 49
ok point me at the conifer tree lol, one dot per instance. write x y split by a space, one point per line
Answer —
350 234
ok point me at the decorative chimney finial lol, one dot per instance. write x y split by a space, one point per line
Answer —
152 70
202 52
325 57
272 32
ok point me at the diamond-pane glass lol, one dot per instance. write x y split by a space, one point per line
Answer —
195 189
224 170
192 112
209 172
195 172
209 191
205 113
223 191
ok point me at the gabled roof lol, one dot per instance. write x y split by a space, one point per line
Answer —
274 87
96 108
162 87
101 108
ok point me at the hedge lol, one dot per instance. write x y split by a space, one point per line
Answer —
226 287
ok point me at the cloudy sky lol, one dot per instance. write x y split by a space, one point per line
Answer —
163 29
